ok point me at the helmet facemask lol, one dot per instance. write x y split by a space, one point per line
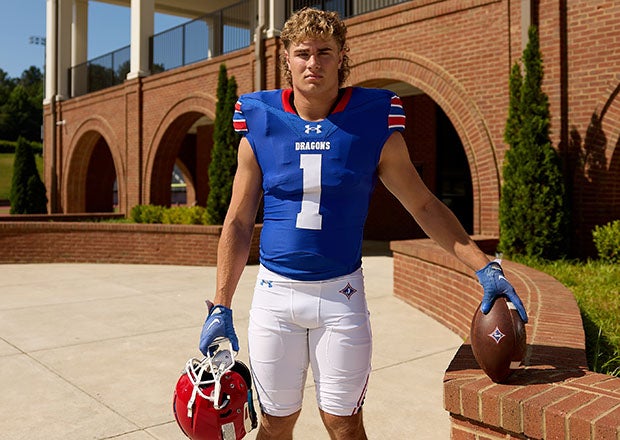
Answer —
213 396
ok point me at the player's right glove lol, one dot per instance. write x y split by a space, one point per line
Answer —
219 324
495 284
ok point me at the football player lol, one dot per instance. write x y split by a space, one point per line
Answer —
314 152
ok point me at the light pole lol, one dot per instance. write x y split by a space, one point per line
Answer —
38 41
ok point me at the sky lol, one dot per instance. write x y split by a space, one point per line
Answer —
108 30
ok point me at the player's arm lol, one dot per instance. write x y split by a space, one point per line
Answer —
234 245
233 248
401 178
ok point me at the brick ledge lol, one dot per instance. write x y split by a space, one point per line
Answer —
37 241
554 396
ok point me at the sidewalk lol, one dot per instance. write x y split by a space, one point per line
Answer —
94 351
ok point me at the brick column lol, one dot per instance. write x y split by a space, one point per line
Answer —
204 145
130 190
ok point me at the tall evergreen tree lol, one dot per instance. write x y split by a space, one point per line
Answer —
27 193
509 217
513 124
36 195
224 154
533 216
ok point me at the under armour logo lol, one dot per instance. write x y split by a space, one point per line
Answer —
265 282
316 129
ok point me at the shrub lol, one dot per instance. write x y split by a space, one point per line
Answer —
147 214
607 241
176 215
35 192
11 146
184 215
27 190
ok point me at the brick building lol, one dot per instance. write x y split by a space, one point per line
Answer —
112 145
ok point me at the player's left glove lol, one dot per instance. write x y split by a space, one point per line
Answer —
219 324
495 284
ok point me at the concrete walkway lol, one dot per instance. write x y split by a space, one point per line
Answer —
94 352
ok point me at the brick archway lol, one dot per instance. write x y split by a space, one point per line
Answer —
94 136
162 152
462 111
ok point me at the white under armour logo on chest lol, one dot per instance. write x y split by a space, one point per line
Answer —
316 129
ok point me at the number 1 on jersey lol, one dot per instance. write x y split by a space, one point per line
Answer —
309 217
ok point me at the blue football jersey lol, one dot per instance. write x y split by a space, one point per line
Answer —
318 177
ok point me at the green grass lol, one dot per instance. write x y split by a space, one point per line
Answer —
6 172
596 286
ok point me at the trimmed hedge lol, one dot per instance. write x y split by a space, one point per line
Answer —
10 147
176 215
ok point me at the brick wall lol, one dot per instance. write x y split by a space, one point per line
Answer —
37 241
554 396
456 52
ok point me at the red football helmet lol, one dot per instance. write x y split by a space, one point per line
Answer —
213 398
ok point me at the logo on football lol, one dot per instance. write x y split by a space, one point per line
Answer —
498 340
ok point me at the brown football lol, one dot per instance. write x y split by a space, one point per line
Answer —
498 340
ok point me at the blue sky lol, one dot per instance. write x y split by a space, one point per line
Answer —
108 30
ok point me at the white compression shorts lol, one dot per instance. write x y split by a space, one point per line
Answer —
322 323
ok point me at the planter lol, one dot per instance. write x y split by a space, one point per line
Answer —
84 242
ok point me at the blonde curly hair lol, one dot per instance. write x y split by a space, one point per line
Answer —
313 24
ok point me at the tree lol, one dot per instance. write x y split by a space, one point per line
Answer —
22 116
511 132
21 105
27 193
32 78
121 72
533 217
224 155
6 86
99 77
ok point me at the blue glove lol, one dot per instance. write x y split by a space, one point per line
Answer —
495 285
219 324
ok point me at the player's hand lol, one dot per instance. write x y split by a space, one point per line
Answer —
495 284
219 324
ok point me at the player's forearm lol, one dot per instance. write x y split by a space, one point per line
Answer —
232 256
440 224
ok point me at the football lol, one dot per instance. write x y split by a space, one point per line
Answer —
498 340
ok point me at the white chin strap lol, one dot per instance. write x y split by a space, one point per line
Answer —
215 365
